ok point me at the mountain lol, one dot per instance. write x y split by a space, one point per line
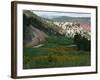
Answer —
71 19
73 25
69 29
36 29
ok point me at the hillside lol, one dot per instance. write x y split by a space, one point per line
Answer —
69 29
36 29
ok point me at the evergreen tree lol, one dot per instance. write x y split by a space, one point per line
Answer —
82 42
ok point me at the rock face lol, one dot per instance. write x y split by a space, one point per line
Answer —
69 29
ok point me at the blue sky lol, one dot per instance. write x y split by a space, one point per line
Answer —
46 14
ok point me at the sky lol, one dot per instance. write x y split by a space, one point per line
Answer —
51 15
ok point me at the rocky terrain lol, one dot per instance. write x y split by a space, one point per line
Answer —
69 29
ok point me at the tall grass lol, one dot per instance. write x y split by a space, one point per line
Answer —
56 58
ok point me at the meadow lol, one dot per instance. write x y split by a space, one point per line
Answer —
55 52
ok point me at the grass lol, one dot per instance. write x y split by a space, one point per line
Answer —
55 53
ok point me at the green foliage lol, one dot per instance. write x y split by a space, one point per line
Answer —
55 41
54 57
82 42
